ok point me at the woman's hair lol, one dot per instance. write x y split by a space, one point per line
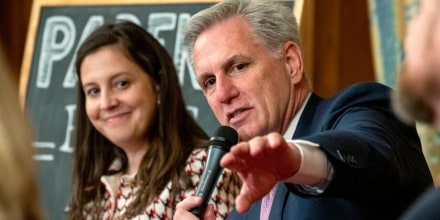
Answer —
19 196
272 24
174 134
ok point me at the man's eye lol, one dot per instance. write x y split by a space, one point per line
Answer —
238 67
209 83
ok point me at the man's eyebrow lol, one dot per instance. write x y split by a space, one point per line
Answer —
232 60
203 76
224 66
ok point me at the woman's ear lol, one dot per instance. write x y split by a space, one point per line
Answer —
157 88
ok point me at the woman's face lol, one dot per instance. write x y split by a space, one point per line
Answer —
121 98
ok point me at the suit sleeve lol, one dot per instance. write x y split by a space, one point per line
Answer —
373 153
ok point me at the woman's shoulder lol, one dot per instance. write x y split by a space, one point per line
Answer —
199 153
196 161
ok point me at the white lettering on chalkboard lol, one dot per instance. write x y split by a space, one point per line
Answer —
94 22
181 55
44 145
57 41
65 147
158 22
193 109
59 37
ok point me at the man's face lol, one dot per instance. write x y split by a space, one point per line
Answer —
418 90
246 86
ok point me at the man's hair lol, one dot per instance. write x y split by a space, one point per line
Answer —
272 23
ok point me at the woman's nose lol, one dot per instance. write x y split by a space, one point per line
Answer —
108 100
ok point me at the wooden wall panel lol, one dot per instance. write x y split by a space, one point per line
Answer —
356 53
342 47
327 47
14 19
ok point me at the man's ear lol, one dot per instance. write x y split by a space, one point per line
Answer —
293 61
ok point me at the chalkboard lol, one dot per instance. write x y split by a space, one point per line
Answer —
48 81
51 86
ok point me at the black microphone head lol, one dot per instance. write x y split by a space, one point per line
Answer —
224 137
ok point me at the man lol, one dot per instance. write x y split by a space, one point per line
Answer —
350 157
418 90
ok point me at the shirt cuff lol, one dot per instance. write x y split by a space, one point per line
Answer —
315 171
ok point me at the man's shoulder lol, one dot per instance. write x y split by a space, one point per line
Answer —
364 93
365 87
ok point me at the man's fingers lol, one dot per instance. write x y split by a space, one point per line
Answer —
209 213
242 204
189 203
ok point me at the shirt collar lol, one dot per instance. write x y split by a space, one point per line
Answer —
294 123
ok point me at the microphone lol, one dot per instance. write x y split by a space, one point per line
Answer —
219 144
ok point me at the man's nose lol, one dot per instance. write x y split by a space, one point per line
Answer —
225 89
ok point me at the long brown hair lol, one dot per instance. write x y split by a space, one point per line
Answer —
174 136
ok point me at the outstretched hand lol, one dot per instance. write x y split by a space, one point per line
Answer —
261 163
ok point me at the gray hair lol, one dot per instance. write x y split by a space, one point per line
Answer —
273 23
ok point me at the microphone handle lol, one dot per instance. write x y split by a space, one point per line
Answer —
209 179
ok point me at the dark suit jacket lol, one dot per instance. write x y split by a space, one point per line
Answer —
426 207
379 167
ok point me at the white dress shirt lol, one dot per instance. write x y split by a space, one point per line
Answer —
315 171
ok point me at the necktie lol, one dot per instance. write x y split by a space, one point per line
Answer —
266 204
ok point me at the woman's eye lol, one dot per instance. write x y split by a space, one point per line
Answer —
92 91
122 84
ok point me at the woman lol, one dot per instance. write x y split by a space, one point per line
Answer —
138 152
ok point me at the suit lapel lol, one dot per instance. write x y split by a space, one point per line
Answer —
305 123
278 204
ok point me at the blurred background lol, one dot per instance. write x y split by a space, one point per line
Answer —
338 40
344 41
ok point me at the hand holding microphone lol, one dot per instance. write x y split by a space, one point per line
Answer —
219 144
